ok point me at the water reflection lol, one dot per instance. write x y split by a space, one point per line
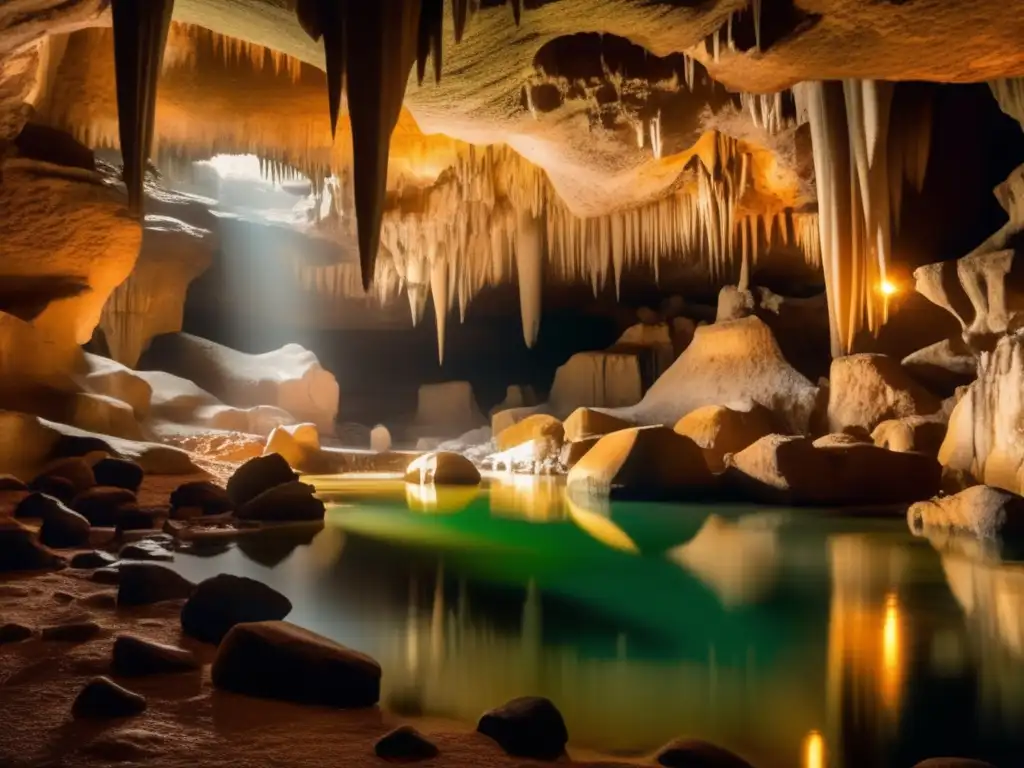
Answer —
794 640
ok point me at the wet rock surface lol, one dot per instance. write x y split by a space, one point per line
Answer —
145 583
221 602
135 656
529 726
102 698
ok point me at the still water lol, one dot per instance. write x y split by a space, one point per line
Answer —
796 638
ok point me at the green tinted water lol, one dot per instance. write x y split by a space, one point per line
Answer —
796 638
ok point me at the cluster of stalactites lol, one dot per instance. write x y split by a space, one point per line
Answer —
188 45
723 38
767 110
867 142
495 219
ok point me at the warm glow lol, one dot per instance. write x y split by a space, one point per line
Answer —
891 652
814 751
888 288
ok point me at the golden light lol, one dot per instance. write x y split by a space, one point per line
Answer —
891 673
888 288
814 750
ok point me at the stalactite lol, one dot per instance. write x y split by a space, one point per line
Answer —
140 33
441 294
529 267
431 33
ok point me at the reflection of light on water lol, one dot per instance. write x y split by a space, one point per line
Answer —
814 751
602 528
891 652
529 497
439 498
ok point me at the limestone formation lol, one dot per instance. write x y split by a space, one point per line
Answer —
446 409
942 366
112 379
596 379
536 439
299 445
923 434
728 364
719 430
442 468
865 390
289 378
982 511
585 423
644 462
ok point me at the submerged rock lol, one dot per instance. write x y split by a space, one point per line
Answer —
278 660
257 476
405 744
693 753
221 602
530 726
103 698
442 468
291 501
145 583
643 462
136 656
118 473
980 511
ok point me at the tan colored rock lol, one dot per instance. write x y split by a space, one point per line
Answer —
728 364
839 438
942 366
650 462
923 434
442 468
719 430
587 422
111 378
299 444
866 389
982 511
596 380
573 451
540 426
447 409
502 420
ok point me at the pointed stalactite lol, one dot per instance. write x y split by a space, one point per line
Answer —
530 268
440 296
333 22
517 11
460 12
428 42
140 33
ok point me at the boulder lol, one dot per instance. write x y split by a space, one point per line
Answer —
92 560
503 419
587 422
292 501
442 468
71 632
221 602
404 745
693 753
135 656
74 469
111 378
380 439
14 633
19 550
36 505
144 551
728 364
980 511
719 430
258 475
781 469
209 498
102 698
942 366
108 574
867 389
289 378
56 487
529 726
923 434
104 505
11 483
537 428
278 660
643 462
299 445
609 379
146 583
576 450
63 528
118 473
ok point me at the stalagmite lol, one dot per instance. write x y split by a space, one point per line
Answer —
140 33
530 267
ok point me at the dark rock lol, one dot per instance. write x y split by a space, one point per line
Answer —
110 574
258 475
133 518
11 483
693 753
58 487
103 600
14 633
210 498
37 505
221 602
19 550
405 744
72 632
145 550
95 559
118 473
136 656
278 660
292 501
953 762
145 583
103 698
64 528
530 726
74 469
102 505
